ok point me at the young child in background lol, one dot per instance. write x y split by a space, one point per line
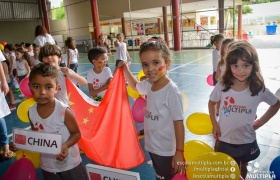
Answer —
121 50
241 91
10 50
49 115
217 41
72 54
29 48
10 94
222 64
52 55
4 111
35 59
163 124
23 64
102 44
99 77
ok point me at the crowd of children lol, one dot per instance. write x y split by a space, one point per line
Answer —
236 75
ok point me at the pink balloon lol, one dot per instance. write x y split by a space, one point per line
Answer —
138 109
241 178
180 177
210 80
21 169
24 88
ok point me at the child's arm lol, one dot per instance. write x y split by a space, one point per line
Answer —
75 135
94 92
132 81
128 56
178 162
28 68
80 79
12 65
116 43
272 110
216 129
68 58
4 85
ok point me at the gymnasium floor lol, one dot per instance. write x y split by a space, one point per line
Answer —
189 71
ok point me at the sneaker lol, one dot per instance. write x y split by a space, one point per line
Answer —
12 107
17 90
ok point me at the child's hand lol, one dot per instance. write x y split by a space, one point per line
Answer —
63 154
257 124
4 88
123 64
216 131
93 93
178 163
66 71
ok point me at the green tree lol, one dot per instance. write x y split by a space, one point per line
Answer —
58 13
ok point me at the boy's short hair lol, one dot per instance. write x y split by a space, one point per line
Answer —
27 45
49 50
94 54
45 70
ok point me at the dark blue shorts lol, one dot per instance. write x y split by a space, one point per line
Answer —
241 153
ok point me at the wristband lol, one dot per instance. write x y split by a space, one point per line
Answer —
179 150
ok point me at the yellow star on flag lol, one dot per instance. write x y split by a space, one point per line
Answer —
85 120
90 110
70 102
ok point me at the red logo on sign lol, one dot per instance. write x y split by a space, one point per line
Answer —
20 139
94 176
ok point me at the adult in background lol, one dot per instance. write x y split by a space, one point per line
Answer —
42 36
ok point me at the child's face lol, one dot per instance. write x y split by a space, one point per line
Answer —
101 61
52 60
19 55
102 39
120 38
219 43
30 48
154 65
36 51
43 89
241 70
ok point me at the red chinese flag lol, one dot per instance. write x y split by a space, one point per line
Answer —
108 133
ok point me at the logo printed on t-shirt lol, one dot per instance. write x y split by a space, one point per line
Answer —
231 107
149 115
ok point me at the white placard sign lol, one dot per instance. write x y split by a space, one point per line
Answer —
37 141
96 172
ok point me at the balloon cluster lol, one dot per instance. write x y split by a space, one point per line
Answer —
2 45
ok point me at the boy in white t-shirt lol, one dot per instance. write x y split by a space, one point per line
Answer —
100 76
49 115
4 111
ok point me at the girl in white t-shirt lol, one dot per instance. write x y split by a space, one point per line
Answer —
4 111
72 54
121 49
103 45
241 90
99 77
163 124
23 64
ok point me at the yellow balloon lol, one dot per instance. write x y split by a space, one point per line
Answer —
22 110
1 47
33 156
132 93
140 74
199 123
195 148
213 166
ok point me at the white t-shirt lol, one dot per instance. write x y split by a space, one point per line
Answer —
13 54
21 69
121 52
73 56
98 80
163 107
54 124
4 108
238 112
61 94
42 40
215 58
